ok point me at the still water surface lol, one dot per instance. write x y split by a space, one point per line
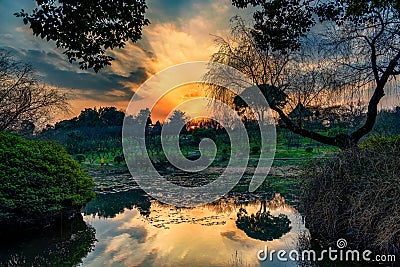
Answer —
228 232
131 229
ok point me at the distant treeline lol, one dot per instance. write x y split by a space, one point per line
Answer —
96 132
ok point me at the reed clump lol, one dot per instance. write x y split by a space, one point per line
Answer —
356 195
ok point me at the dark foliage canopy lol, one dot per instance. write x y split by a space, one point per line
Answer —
39 180
87 29
93 129
280 24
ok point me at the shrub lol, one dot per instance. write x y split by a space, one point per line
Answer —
201 133
39 180
356 195
118 159
377 142
255 150
225 155
80 158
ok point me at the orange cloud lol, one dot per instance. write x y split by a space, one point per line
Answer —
169 102
185 39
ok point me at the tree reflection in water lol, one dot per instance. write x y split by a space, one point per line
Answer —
109 205
263 225
64 244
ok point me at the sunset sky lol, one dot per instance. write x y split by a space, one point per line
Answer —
180 31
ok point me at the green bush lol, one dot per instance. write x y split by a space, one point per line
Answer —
255 150
118 159
356 195
38 181
377 142
80 158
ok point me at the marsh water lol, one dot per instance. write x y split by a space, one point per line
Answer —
153 234
126 227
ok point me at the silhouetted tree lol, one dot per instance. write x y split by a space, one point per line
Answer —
143 117
177 120
87 29
284 50
156 131
178 117
23 98
111 116
89 117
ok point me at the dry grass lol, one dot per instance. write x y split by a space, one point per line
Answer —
356 196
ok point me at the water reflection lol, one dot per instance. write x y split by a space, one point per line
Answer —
263 225
202 236
62 245
111 204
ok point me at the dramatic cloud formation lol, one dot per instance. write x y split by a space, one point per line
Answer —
180 31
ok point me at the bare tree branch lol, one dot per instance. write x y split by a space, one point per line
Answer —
23 98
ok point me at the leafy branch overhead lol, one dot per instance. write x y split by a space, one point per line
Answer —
280 25
87 29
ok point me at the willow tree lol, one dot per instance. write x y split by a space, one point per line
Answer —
352 51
